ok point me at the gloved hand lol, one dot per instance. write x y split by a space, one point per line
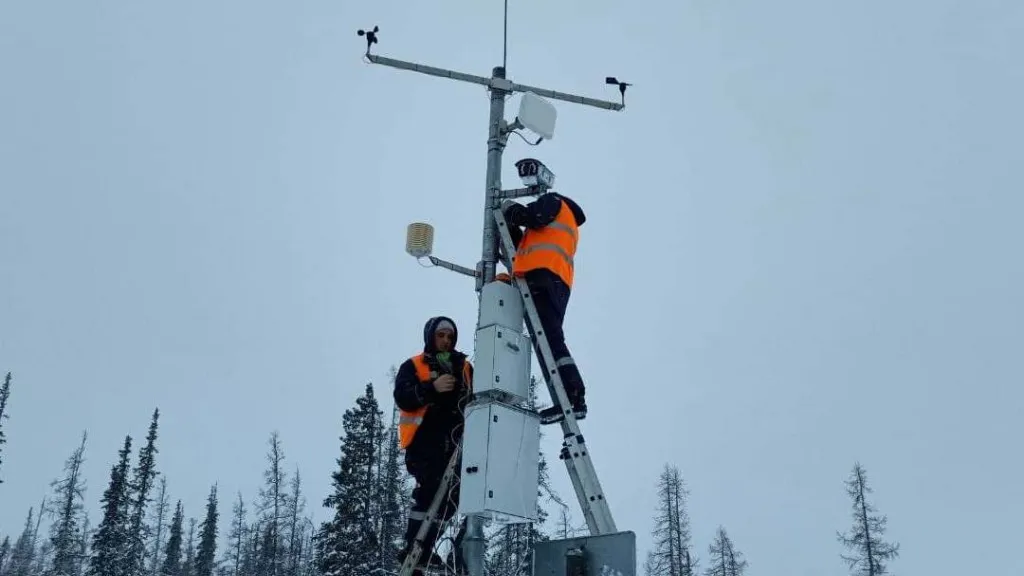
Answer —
445 383
506 204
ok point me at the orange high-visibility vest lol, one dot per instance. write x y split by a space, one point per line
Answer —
409 421
551 247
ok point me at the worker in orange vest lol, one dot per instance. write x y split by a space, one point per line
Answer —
431 392
545 233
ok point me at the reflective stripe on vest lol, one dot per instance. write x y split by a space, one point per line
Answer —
552 247
409 421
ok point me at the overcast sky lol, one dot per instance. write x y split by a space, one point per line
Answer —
803 247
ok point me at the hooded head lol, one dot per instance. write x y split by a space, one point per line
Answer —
576 209
440 334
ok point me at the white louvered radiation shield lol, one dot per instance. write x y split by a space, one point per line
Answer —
419 239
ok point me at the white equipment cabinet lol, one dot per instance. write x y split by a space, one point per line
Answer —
502 362
501 441
500 463
503 350
500 304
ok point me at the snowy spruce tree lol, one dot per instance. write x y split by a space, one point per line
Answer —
5 553
295 526
206 555
347 543
44 558
23 554
160 508
140 488
172 553
68 511
390 512
723 557
237 539
188 566
82 547
869 554
5 393
251 549
109 543
672 554
272 510
374 433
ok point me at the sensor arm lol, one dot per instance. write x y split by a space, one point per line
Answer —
453 267
565 97
520 192
492 82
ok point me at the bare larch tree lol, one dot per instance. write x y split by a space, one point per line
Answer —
868 555
671 555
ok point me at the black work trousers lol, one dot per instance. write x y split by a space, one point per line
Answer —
551 297
428 470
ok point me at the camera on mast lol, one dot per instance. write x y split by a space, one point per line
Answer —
533 173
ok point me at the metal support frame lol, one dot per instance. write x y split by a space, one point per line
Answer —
453 267
574 450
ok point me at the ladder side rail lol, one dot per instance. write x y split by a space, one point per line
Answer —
575 453
431 516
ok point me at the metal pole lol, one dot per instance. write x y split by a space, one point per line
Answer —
474 544
495 146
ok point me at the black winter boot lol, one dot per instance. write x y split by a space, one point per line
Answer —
555 414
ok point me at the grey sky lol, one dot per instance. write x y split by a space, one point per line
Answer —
802 247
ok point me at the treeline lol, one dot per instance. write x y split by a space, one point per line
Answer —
143 531
140 532
673 553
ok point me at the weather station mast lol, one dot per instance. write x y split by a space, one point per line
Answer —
499 473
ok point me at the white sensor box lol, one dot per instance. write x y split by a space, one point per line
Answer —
500 304
500 463
502 362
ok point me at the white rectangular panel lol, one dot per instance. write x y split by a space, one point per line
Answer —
502 361
500 463
500 304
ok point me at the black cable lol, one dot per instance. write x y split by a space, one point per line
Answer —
516 132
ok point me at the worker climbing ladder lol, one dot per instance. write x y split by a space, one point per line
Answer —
574 450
